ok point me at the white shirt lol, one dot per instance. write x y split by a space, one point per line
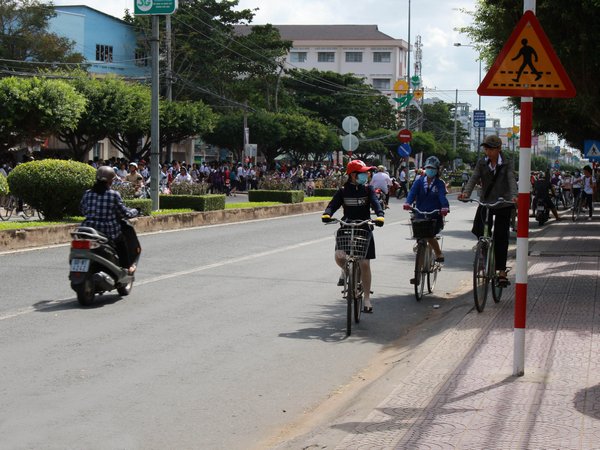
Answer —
402 176
181 178
381 180
588 184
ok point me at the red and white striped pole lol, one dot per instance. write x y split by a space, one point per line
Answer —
523 227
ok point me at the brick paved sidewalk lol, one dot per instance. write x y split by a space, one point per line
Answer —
463 394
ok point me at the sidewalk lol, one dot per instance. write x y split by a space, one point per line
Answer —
463 395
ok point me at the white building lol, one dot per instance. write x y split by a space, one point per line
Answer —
362 50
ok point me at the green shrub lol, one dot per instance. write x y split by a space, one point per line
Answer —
211 202
3 185
52 186
330 182
275 183
276 196
325 192
189 188
143 204
126 190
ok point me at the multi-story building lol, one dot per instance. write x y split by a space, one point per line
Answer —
362 50
108 44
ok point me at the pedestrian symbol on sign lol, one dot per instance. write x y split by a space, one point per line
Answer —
527 52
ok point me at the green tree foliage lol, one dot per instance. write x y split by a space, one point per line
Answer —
24 35
571 30
303 137
330 97
36 107
183 120
65 180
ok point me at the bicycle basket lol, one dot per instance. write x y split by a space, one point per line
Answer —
423 228
353 241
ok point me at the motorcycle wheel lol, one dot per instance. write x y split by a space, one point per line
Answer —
85 291
125 289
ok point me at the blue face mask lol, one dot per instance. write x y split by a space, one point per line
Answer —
431 172
362 178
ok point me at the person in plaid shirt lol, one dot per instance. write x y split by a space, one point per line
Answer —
103 209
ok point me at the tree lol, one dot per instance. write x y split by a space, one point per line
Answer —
24 35
571 32
36 107
228 133
183 120
303 137
330 97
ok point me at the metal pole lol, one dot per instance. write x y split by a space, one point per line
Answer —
154 129
523 228
455 117
169 92
408 72
479 128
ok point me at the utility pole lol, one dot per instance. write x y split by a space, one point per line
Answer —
408 72
455 119
169 92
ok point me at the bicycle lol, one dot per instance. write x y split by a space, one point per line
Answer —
426 267
354 241
484 264
9 204
577 208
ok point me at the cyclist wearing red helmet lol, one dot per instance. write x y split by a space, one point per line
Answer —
357 199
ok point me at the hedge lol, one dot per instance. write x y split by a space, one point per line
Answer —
143 204
3 185
211 202
276 196
325 192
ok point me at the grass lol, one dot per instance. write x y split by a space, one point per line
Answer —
14 225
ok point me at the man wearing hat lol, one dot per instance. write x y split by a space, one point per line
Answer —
496 174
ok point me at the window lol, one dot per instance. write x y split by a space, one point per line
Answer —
382 57
355 57
383 84
104 53
326 57
298 57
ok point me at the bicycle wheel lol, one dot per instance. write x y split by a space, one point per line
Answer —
496 289
480 276
28 211
420 265
350 291
7 205
358 294
432 271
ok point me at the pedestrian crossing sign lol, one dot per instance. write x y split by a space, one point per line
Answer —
527 66
591 149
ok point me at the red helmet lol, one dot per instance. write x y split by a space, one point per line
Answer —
357 166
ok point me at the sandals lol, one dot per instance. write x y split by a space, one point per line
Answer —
368 309
502 281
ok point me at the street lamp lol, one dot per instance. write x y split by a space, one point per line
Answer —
458 44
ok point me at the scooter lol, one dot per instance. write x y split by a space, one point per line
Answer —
95 266
542 213
380 198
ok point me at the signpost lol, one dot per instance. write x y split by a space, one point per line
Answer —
479 118
517 72
405 136
591 149
350 142
155 8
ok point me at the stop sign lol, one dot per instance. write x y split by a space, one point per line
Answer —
404 136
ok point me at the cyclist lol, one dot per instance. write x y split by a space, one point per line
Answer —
497 176
357 199
589 188
429 193
544 192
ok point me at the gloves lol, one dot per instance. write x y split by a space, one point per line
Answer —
445 211
379 221
326 218
406 207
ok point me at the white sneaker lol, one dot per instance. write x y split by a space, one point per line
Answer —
589 218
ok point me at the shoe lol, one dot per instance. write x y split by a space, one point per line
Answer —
589 218
340 282
502 281
368 309
440 259
132 269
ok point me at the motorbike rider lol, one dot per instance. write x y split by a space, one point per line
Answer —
357 198
544 192
103 209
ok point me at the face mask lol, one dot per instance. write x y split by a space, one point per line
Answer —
431 172
362 178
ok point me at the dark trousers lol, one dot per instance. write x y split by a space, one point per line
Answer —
499 223
590 202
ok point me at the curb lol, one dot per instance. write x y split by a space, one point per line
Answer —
22 238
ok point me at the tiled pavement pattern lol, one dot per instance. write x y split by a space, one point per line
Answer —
463 394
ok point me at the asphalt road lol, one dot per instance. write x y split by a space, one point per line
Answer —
232 337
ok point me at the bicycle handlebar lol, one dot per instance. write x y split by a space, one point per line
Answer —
414 208
500 201
351 224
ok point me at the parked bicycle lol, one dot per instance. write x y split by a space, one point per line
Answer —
484 265
9 204
426 266
353 239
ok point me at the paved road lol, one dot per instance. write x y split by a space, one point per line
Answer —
232 337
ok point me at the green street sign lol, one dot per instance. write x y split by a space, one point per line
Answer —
154 7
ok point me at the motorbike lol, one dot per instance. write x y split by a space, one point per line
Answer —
380 198
542 213
95 266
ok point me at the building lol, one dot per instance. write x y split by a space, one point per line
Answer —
108 44
362 50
